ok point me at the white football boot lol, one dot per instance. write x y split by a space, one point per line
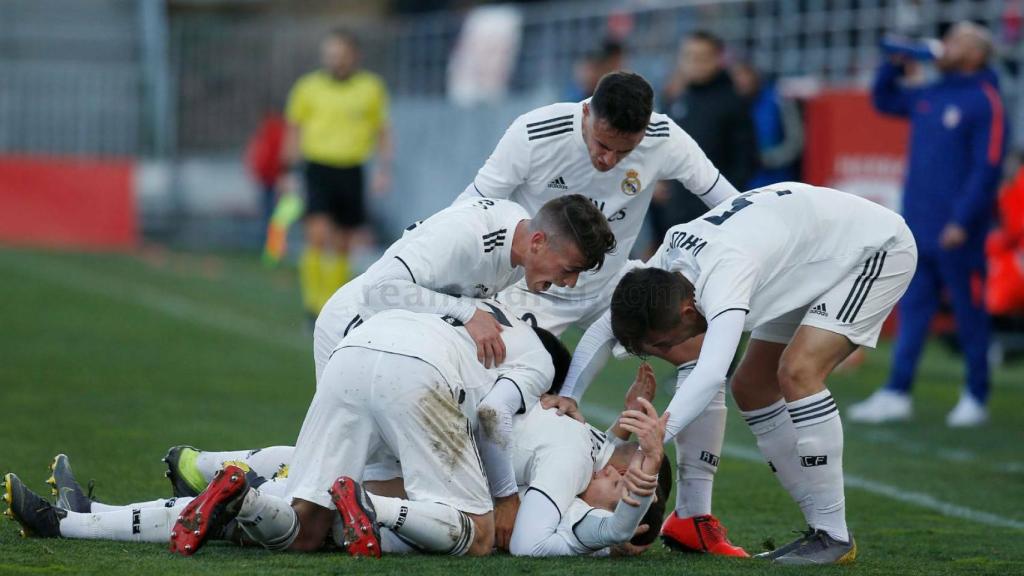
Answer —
882 406
967 413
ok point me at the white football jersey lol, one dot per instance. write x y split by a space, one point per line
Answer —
463 250
775 249
443 343
579 510
557 455
543 155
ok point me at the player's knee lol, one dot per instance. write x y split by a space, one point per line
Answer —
798 378
483 534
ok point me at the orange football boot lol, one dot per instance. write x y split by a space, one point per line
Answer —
699 534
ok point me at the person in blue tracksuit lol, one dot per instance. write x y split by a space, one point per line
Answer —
958 134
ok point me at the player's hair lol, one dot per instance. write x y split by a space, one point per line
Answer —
647 300
711 38
656 513
575 218
624 100
560 357
344 35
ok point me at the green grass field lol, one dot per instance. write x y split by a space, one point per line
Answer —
112 359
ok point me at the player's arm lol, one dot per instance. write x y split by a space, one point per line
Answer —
987 141
385 145
536 528
645 385
688 164
887 94
493 437
591 355
696 390
507 167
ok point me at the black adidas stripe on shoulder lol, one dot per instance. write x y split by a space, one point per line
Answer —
550 127
657 129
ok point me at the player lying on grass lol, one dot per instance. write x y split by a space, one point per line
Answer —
614 149
555 457
473 249
812 273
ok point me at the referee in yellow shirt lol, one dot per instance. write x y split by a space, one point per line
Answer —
337 117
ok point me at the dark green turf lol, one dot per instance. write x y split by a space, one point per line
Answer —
112 359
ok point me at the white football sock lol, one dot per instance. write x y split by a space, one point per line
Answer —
209 463
776 437
269 520
270 462
698 448
99 507
819 445
429 526
127 524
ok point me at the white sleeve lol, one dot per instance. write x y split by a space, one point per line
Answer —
393 285
493 434
688 164
507 167
536 529
697 390
599 531
590 356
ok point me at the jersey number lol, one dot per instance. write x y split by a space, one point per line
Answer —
739 204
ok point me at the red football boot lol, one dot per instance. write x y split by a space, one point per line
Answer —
361 535
698 534
207 515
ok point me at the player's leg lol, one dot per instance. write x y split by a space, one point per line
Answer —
822 341
317 228
347 215
916 309
755 387
191 469
448 509
335 438
963 273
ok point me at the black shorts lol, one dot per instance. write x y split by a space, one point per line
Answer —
336 192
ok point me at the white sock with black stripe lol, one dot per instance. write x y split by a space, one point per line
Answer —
698 449
430 526
776 438
819 446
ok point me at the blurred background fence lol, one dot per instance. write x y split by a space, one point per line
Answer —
179 85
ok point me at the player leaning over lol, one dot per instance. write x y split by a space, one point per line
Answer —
812 273
474 249
613 149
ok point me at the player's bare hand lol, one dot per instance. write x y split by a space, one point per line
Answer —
647 426
629 549
566 406
953 236
485 330
505 511
644 386
638 483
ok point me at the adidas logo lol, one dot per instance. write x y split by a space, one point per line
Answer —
558 183
820 310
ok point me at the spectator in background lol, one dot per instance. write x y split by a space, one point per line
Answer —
702 100
958 138
263 158
779 129
589 70
337 118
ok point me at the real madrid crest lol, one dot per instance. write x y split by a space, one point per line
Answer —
631 183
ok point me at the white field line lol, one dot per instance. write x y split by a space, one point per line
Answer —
161 301
954 455
606 415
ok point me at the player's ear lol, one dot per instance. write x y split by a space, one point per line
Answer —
538 240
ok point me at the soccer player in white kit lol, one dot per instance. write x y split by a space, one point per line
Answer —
474 249
812 273
613 149
410 385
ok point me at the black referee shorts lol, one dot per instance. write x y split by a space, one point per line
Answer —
336 192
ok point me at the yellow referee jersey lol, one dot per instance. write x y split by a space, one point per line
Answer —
340 119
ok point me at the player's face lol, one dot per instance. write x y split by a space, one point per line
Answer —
338 56
606 488
551 262
661 343
606 146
